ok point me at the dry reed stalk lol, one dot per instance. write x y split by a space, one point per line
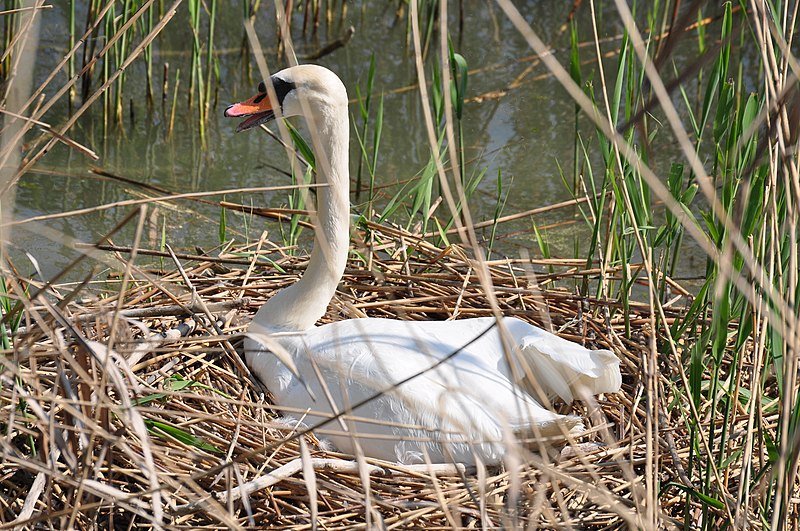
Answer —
148 200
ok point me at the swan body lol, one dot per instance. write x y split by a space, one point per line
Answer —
411 391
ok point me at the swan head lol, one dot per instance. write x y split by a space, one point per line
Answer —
299 90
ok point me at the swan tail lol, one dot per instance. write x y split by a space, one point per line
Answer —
565 369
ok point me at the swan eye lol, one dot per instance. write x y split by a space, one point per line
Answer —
282 88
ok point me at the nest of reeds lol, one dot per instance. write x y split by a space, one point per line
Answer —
170 427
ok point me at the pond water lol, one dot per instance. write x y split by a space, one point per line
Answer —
522 137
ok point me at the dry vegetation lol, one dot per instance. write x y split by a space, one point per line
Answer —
124 401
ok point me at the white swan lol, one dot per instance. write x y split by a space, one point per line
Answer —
469 405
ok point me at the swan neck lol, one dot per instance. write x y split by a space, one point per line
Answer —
302 304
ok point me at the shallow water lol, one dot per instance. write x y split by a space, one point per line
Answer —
522 137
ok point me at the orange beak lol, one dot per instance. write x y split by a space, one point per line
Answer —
257 110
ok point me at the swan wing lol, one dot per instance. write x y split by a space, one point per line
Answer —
406 393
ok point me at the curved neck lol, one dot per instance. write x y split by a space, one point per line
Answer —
300 306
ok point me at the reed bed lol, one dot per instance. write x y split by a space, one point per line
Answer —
125 402
184 420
